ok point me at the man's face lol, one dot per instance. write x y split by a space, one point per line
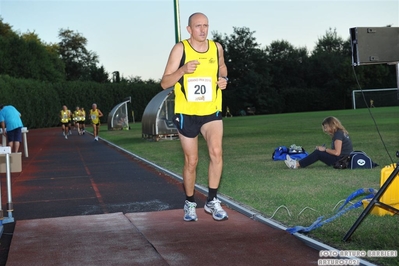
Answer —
198 27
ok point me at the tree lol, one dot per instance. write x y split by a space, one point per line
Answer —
25 56
98 74
43 59
6 30
288 67
249 78
80 63
330 43
328 62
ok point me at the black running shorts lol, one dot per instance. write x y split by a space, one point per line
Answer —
190 125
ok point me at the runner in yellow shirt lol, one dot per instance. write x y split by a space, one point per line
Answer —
76 118
95 115
64 116
70 115
198 73
83 120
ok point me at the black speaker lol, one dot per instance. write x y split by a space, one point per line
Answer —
374 45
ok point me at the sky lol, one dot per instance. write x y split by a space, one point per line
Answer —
135 37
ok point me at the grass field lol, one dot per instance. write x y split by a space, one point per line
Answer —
251 177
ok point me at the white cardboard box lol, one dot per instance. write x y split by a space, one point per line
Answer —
15 162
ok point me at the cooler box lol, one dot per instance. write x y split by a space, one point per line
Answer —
391 194
15 162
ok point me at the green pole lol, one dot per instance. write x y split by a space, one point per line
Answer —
177 20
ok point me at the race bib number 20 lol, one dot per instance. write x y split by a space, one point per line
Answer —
199 89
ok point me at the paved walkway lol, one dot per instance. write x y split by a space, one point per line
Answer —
81 202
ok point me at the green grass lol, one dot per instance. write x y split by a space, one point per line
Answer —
251 177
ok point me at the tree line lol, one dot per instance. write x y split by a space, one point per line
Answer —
39 78
276 78
40 102
27 56
281 78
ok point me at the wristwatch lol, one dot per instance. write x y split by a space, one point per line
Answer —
226 78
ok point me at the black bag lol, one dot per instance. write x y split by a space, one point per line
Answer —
359 159
343 163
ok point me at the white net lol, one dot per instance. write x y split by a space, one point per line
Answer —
375 98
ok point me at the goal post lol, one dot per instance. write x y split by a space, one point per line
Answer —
375 97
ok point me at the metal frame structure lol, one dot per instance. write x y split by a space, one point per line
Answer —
157 118
10 208
118 118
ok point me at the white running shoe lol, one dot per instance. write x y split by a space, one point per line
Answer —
291 163
213 207
189 211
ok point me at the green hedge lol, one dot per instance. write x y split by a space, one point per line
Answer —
40 102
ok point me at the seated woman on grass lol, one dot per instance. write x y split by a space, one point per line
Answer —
341 145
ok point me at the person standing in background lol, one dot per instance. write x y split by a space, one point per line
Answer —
11 124
95 115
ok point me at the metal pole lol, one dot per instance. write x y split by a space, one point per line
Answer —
10 207
4 138
177 20
25 140
353 100
397 77
1 204
7 151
